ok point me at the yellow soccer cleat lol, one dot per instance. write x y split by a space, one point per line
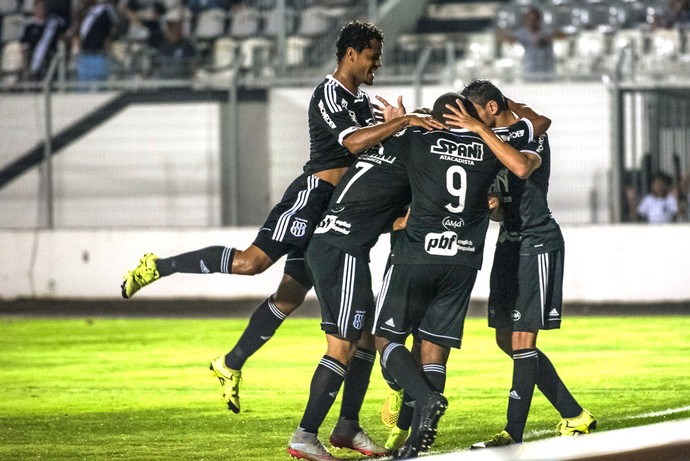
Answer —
499 440
146 272
230 380
582 424
396 439
391 408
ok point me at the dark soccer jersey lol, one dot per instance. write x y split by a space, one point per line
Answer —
528 218
367 200
334 113
450 174
40 40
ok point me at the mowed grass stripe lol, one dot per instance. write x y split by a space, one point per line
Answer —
140 389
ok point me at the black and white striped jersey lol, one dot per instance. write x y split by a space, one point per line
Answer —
450 173
334 113
528 218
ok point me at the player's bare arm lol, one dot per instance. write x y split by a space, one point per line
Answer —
522 164
540 122
369 136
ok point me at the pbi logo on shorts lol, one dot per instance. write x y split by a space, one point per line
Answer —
443 244
516 315
299 227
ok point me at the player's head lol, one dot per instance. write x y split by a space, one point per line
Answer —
359 47
358 36
488 100
451 98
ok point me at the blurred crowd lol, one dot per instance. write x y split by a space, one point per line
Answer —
173 38
164 39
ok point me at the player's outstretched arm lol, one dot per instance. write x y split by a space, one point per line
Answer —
522 164
540 122
369 136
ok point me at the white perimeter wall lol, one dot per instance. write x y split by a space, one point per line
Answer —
626 263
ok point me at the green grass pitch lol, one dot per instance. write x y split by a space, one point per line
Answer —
140 389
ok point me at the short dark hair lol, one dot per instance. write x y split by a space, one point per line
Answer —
440 108
358 35
483 91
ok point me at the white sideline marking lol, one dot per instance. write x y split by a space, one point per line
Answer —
654 414
671 411
672 435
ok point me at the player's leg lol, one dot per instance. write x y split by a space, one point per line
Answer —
348 432
263 323
324 387
266 319
525 372
343 287
403 422
209 260
574 419
423 291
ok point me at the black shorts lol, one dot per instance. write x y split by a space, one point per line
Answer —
526 291
291 223
428 299
343 286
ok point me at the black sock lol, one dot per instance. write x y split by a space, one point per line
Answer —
436 375
389 379
356 383
205 261
406 412
553 388
401 365
325 384
525 370
262 325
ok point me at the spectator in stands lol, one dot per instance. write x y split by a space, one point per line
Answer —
660 205
146 16
40 37
97 24
676 13
538 61
177 57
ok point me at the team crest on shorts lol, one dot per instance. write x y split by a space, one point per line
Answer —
516 315
358 321
299 227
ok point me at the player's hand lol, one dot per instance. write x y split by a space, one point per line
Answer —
493 202
401 223
461 119
389 111
425 121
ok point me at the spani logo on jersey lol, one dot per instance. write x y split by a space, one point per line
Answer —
467 151
446 244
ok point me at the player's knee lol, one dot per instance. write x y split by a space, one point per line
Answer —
288 303
250 262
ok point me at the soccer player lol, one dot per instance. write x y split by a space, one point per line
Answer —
400 416
434 261
526 282
366 202
341 125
